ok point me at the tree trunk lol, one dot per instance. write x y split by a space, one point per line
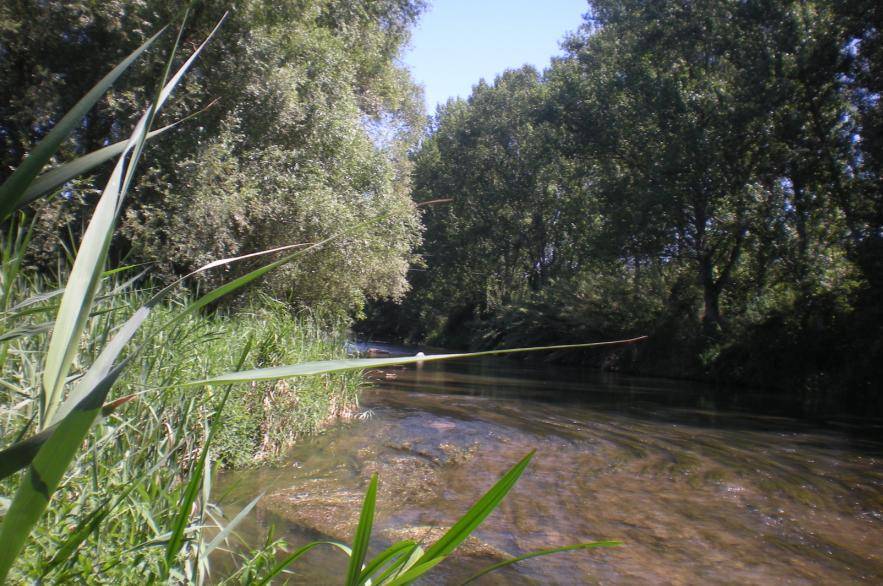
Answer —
711 316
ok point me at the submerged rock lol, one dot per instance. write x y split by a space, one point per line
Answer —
331 505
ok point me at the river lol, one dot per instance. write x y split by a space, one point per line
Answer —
701 486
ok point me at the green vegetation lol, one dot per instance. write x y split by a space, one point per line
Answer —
119 489
706 173
145 447
307 124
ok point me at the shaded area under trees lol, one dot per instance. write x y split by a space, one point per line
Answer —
707 173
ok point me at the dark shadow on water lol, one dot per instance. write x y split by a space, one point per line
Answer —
664 400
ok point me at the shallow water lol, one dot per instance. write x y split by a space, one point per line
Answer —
700 488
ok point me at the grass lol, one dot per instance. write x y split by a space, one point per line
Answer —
148 445
116 410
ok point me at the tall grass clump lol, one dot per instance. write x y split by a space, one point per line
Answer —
145 448
262 419
119 399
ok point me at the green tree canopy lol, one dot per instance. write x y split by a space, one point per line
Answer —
706 172
308 136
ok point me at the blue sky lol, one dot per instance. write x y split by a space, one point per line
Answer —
458 42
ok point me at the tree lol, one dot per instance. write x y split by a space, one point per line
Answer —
862 71
674 117
509 229
309 133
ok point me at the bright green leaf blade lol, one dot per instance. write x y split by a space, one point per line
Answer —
233 285
55 454
418 570
25 331
297 554
78 295
103 363
81 285
46 471
363 534
328 366
177 537
538 553
90 523
19 455
478 513
401 549
81 532
399 566
22 453
13 189
165 92
79 166
45 296
112 350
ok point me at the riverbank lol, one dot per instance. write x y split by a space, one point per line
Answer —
132 473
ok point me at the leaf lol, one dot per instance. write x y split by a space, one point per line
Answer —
25 331
54 456
90 523
177 536
538 553
64 173
329 366
46 471
475 515
103 363
363 534
402 548
13 189
47 295
225 532
400 565
20 454
88 265
417 571
297 554
79 293
448 542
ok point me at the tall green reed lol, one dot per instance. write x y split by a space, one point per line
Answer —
88 349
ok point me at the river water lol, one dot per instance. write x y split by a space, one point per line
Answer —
701 486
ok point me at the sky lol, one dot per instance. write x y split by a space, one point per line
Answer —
458 42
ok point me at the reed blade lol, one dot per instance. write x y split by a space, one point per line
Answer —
363 534
329 366
13 189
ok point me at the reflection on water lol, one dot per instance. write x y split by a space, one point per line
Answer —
700 488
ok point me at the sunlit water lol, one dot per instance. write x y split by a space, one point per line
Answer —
698 489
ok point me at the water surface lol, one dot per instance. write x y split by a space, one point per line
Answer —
702 486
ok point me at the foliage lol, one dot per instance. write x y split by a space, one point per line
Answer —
112 496
145 448
308 130
714 166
